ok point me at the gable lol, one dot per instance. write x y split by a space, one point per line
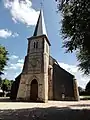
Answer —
53 62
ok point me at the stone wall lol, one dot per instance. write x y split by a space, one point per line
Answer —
14 88
63 87
35 67
50 82
25 87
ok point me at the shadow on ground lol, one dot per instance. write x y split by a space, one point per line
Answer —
80 105
6 99
51 113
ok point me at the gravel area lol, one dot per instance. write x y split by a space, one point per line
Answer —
53 110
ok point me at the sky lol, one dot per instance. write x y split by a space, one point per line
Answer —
17 23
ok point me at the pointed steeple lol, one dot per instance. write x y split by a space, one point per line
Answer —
40 28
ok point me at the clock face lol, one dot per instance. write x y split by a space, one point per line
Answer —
34 62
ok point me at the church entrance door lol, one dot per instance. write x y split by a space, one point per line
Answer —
34 90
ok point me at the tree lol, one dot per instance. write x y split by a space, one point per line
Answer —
0 81
88 87
6 85
76 29
84 59
80 89
3 58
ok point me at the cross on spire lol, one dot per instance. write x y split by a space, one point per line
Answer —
40 28
41 3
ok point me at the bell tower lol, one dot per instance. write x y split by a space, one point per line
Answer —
36 65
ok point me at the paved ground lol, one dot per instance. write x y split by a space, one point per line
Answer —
53 110
58 104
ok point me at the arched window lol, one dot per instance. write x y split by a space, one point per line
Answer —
36 44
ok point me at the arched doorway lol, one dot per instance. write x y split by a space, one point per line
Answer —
34 90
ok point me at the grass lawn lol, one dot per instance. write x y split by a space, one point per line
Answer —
84 97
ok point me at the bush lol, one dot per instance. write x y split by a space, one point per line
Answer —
84 93
88 87
1 94
8 95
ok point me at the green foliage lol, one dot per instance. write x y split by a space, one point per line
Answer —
0 81
80 89
3 58
6 84
76 29
88 87
84 59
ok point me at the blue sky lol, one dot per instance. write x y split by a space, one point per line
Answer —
17 22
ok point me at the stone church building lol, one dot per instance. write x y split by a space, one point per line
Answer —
42 78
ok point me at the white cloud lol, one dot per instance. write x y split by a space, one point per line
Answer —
5 33
20 61
14 57
13 69
22 11
73 69
16 66
15 35
11 75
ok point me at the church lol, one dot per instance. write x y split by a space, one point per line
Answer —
42 78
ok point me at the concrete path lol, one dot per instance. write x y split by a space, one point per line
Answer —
60 104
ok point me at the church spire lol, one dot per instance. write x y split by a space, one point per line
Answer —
40 28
